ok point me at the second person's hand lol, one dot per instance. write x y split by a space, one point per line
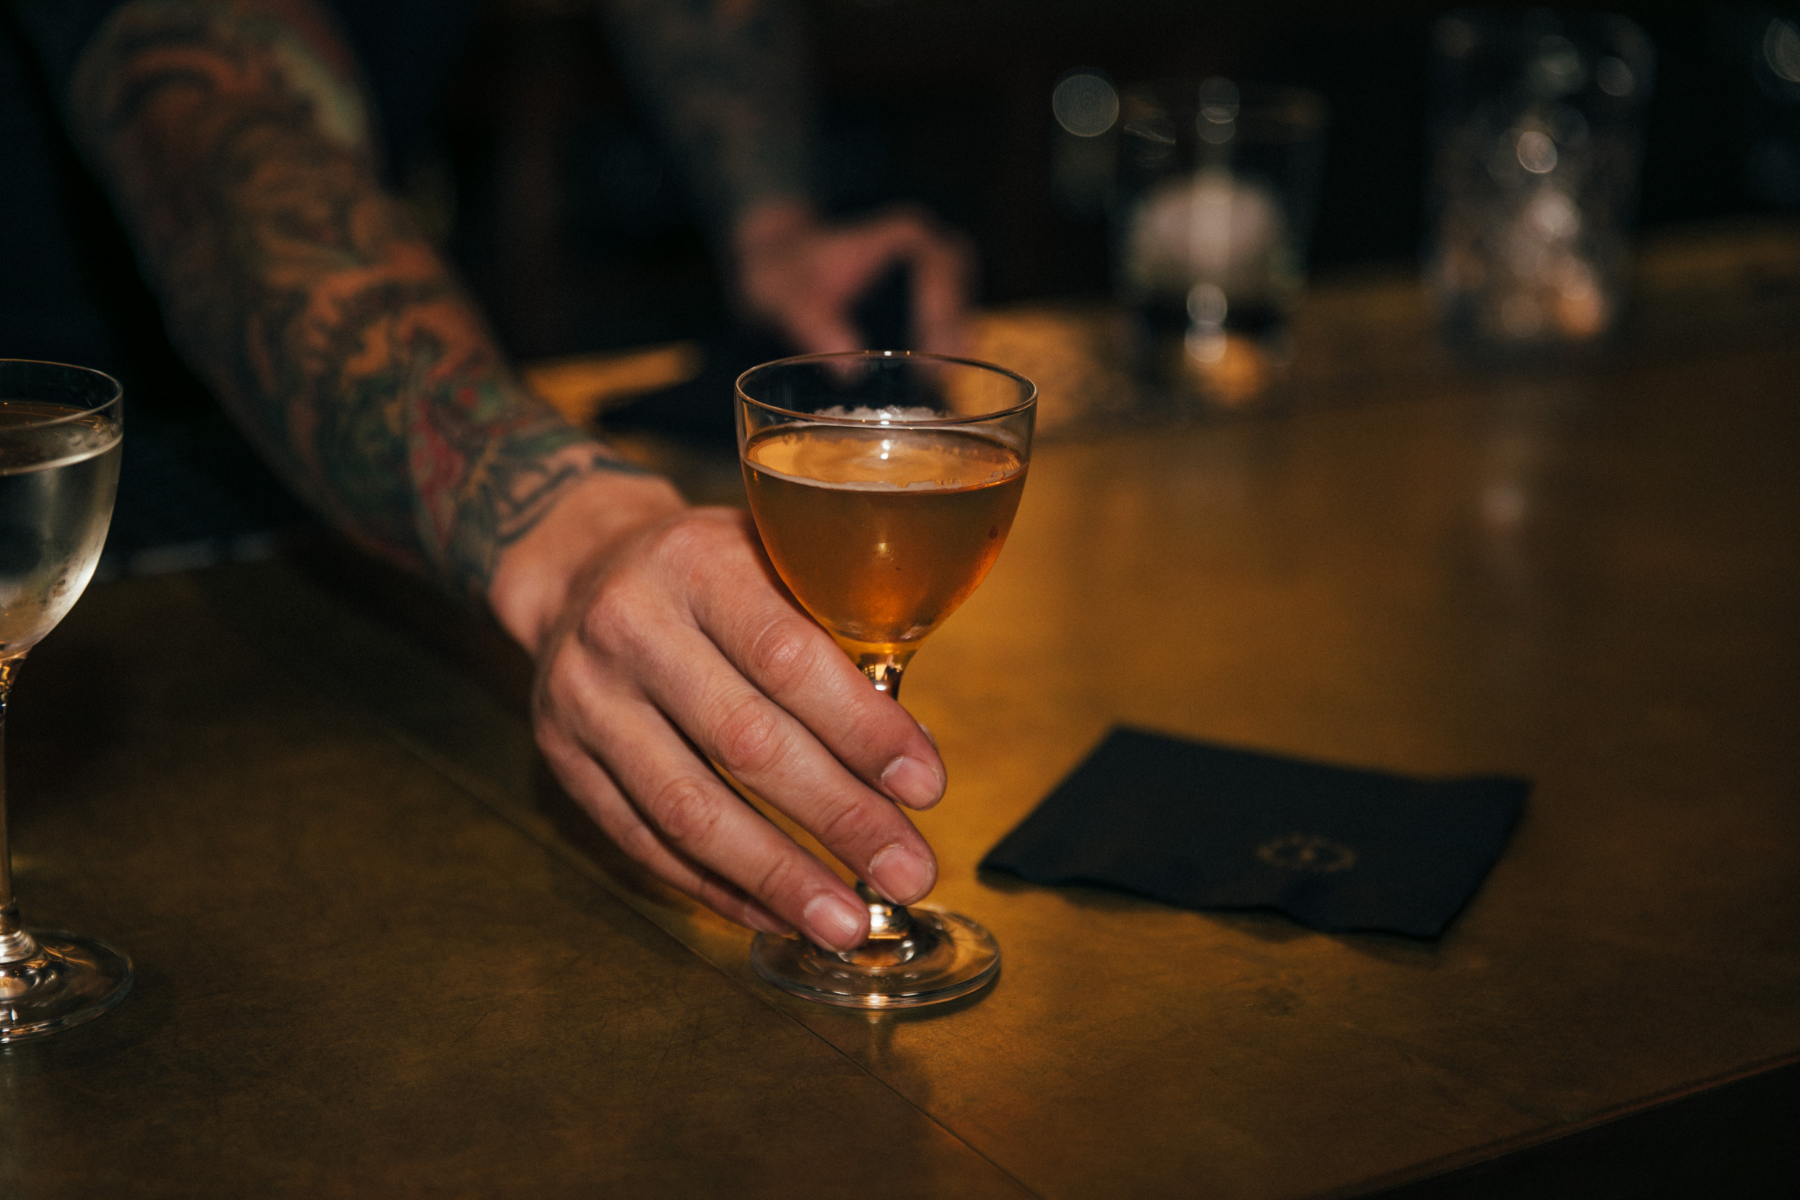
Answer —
802 277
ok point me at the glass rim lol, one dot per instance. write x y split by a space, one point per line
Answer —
75 413
1030 400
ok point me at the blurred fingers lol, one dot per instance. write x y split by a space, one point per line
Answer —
941 262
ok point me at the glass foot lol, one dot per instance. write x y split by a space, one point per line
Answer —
69 980
936 956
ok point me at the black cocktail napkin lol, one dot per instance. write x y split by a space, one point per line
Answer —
1205 826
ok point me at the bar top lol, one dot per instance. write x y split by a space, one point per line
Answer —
379 954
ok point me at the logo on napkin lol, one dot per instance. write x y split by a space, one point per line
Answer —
1212 827
1304 852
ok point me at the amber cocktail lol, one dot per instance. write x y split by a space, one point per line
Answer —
883 485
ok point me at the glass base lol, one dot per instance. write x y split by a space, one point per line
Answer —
938 957
69 980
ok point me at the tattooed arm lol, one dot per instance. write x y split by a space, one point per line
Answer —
725 80
235 144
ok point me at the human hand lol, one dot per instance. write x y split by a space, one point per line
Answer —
801 276
663 640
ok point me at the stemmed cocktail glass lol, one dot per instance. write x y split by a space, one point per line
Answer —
883 484
59 469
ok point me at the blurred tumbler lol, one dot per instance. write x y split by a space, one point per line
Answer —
1217 190
1537 132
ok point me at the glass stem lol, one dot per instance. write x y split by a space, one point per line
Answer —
15 943
885 920
884 671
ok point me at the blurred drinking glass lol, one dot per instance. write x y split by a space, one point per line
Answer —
60 439
1537 133
1218 185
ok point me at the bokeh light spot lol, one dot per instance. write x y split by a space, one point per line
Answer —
1536 152
1217 122
1085 104
1781 48
1614 77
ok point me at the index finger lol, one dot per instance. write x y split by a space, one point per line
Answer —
795 663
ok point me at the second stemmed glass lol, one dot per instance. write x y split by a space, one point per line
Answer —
59 469
883 485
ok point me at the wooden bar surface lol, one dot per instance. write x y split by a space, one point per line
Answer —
382 955
354 979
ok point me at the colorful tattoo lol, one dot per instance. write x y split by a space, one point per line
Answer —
234 138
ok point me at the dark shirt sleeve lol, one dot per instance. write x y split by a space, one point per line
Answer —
726 82
58 31
406 50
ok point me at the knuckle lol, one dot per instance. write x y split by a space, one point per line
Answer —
782 654
546 704
690 554
553 741
555 703
780 880
687 812
852 824
617 621
686 540
749 737
562 696
558 676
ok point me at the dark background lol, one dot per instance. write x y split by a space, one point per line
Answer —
572 226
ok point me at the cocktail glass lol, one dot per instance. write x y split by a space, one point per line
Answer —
883 484
59 469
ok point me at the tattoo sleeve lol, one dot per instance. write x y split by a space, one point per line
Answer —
726 82
234 139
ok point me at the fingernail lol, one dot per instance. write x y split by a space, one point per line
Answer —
901 875
833 922
766 923
926 730
913 783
